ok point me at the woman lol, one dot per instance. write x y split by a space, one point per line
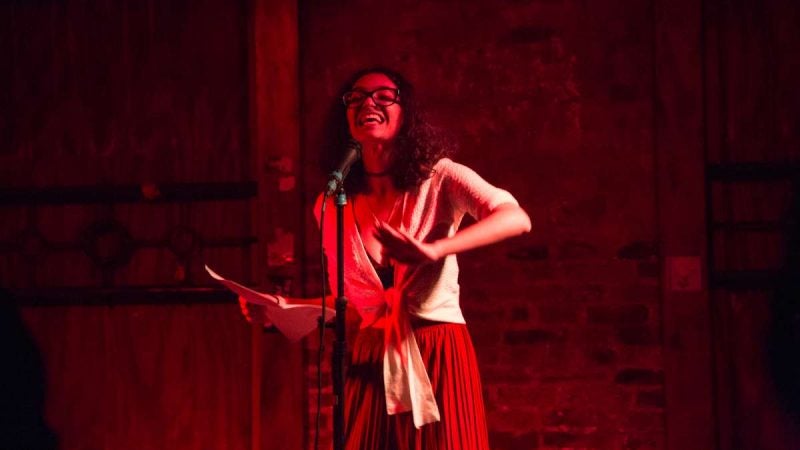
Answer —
413 381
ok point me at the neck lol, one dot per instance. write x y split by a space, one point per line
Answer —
377 159
380 186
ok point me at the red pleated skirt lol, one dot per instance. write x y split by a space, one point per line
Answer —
450 361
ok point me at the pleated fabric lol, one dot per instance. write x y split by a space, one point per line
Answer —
450 361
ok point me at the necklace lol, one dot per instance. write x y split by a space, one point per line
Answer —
383 266
376 216
377 174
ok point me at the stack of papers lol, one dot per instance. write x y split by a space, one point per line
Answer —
293 321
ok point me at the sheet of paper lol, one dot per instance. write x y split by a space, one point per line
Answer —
293 321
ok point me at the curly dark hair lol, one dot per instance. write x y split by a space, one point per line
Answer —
419 144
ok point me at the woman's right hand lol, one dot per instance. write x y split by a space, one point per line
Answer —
252 312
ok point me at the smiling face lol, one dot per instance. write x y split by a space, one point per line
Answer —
370 122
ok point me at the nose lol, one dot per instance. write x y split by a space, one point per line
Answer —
369 99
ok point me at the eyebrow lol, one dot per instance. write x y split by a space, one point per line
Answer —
362 89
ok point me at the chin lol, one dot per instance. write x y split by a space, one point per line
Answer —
370 137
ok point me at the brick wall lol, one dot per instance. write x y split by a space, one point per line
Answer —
552 101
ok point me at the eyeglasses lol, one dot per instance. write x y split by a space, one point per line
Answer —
381 96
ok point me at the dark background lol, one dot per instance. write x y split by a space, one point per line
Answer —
653 143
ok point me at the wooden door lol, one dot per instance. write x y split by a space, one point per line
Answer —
130 158
753 154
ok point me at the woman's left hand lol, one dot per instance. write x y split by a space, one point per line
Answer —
403 248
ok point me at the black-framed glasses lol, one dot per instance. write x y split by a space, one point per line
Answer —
382 96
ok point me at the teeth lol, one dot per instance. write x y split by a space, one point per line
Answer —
371 117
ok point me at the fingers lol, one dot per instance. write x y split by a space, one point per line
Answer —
245 310
391 237
253 313
393 246
277 299
400 247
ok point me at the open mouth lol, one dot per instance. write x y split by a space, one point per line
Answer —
370 118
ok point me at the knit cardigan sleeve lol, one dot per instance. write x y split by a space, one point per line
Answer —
468 193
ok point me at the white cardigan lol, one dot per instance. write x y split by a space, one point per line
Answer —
429 291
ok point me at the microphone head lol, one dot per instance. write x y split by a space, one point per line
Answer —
353 144
352 153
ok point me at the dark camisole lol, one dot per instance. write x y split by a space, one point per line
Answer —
385 273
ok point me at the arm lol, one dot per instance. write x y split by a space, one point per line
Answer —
504 221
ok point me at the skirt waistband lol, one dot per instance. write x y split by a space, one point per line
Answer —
416 323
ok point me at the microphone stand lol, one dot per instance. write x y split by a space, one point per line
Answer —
336 184
340 343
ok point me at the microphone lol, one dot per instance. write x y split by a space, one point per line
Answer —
351 154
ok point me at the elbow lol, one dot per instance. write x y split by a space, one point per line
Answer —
524 222
516 219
